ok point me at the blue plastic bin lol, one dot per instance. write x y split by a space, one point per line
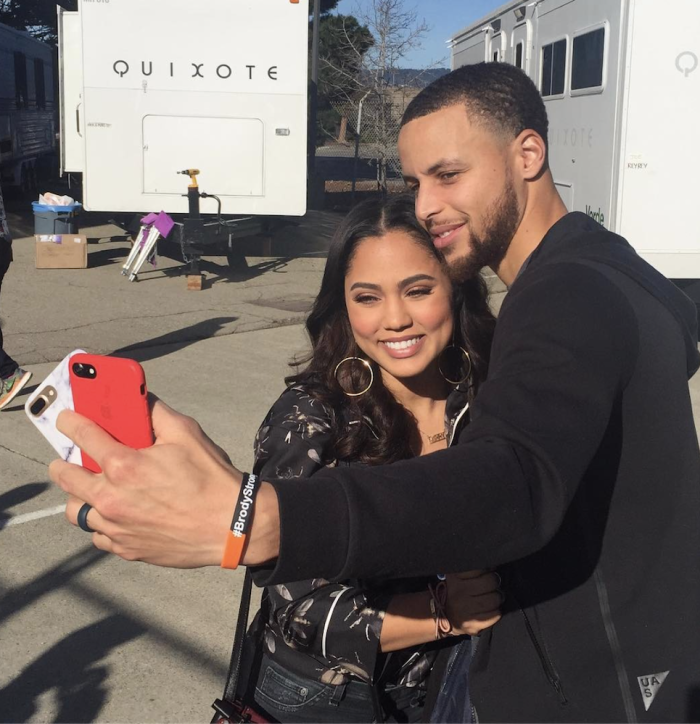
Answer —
55 219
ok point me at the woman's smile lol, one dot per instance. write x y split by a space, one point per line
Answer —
402 347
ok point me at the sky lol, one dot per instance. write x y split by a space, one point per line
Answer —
445 18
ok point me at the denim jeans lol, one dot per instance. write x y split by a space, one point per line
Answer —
453 703
287 697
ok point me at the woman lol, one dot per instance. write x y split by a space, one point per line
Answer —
397 355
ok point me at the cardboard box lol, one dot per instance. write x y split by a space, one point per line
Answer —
65 251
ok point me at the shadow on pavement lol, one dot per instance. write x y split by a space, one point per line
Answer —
19 598
17 496
103 257
72 667
173 341
214 271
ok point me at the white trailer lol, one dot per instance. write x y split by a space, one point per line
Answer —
27 122
621 82
152 87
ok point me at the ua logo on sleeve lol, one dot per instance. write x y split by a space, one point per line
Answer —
650 685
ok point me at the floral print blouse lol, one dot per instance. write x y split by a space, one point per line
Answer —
330 631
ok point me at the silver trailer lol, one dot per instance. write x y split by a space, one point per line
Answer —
621 82
27 122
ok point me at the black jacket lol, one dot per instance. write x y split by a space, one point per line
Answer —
579 476
330 632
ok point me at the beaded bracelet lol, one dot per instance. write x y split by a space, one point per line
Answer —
236 537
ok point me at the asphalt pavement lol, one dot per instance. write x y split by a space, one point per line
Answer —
87 637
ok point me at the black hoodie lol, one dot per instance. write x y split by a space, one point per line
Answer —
578 477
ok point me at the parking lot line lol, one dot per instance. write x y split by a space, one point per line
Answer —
36 515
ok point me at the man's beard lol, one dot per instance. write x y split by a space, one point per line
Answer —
500 222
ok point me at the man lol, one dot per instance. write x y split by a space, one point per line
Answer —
12 377
578 477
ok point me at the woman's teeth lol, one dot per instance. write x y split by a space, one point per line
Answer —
402 345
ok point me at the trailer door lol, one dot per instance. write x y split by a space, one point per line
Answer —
70 79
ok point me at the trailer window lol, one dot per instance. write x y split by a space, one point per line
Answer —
39 83
553 68
496 41
519 54
587 60
20 80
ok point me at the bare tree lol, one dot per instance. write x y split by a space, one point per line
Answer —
364 84
38 17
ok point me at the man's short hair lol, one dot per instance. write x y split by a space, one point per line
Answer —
497 95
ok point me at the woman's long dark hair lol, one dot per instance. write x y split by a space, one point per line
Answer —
393 427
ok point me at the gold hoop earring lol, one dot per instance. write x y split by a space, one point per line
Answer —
466 356
367 366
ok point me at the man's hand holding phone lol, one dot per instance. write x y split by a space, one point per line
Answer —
169 504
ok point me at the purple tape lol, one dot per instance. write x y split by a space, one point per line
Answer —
164 224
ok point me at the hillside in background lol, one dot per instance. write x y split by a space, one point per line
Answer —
412 77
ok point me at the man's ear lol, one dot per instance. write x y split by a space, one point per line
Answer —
530 154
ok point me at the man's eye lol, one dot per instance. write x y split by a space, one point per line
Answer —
449 176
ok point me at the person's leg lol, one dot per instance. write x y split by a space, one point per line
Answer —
7 365
12 377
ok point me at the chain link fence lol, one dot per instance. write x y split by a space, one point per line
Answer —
365 154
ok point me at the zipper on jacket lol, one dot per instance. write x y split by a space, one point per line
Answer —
455 424
546 662
615 648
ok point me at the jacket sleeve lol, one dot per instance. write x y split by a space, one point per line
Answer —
337 624
565 345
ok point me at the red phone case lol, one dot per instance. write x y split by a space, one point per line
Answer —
116 399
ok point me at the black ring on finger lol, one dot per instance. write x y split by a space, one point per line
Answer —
82 518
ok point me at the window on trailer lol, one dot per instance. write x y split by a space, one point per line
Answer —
553 68
20 80
519 55
587 60
496 48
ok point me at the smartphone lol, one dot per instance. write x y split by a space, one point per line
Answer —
111 391
44 405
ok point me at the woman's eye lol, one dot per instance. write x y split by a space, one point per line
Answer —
419 292
365 299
